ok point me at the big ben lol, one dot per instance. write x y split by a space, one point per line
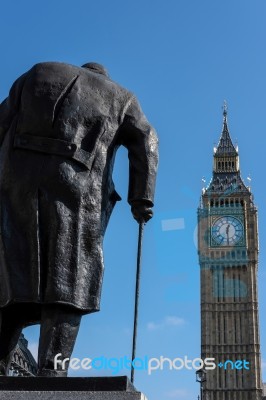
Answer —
228 258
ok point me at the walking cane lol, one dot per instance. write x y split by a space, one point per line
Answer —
141 228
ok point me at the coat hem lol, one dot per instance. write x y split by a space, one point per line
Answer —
83 310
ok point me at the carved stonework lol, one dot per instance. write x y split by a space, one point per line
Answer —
228 257
23 362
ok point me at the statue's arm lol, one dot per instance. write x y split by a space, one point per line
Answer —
139 137
10 106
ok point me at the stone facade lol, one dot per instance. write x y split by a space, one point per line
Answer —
228 257
23 362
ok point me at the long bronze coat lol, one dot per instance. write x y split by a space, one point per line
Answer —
60 128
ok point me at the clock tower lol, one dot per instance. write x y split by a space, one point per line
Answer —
228 258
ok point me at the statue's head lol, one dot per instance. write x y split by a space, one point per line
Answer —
95 67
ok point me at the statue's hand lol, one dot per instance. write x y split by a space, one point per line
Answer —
141 211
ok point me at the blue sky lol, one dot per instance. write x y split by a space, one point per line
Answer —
181 58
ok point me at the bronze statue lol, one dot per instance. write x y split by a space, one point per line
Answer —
60 129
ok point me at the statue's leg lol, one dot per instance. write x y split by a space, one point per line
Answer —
59 329
10 330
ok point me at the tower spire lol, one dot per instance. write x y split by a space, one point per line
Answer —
226 169
225 146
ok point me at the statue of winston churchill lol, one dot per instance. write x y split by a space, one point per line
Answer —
60 128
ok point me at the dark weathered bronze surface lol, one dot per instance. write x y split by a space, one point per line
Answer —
60 129
115 383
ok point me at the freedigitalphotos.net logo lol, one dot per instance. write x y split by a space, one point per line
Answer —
145 364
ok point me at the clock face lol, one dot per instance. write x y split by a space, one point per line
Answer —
227 231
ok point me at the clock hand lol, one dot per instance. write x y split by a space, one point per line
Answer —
227 232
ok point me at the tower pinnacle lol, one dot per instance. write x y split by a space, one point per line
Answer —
225 109
225 146
226 170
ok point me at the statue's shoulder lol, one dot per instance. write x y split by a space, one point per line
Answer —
54 67
53 71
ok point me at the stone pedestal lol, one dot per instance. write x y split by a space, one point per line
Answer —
35 388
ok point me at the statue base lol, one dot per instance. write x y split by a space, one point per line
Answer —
94 388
